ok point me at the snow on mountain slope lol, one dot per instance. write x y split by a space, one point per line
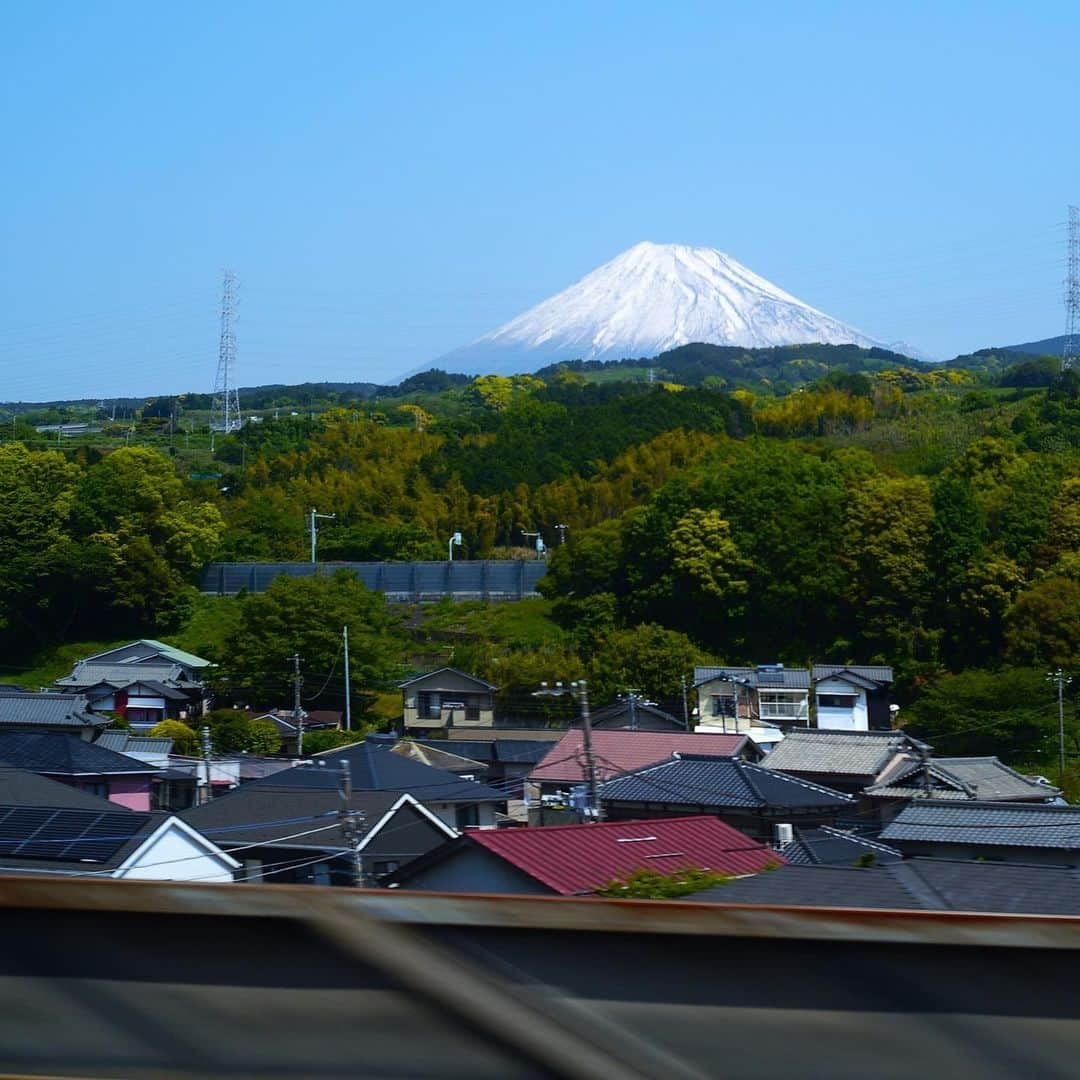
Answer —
651 298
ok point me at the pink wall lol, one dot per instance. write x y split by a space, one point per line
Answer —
130 791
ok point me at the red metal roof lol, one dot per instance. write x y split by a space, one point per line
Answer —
622 751
574 859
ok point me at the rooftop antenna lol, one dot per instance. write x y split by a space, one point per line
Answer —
226 395
1070 352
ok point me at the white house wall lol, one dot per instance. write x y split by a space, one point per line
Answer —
172 855
856 718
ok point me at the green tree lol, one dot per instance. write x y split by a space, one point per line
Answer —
707 561
648 658
1043 626
1009 713
305 617
185 740
654 885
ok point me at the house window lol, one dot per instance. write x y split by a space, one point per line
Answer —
94 787
467 816
472 709
837 701
428 704
723 705
773 705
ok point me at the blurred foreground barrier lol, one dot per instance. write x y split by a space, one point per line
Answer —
149 980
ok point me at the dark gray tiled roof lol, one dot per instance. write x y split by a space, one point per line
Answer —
987 824
47 710
983 778
123 742
720 782
758 677
59 754
844 753
86 675
452 670
919 884
374 768
826 846
877 673
20 787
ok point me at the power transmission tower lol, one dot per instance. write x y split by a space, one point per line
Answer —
226 395
1070 353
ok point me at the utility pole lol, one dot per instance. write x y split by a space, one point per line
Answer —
685 703
204 739
351 820
579 690
348 689
632 698
313 527
1061 680
561 530
298 711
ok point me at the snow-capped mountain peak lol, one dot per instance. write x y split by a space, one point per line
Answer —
651 298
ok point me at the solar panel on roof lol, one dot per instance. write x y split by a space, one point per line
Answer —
65 834
18 824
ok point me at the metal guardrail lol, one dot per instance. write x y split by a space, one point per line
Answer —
152 980
404 582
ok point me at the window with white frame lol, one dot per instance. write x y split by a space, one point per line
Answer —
781 705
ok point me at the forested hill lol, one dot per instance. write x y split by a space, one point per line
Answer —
927 517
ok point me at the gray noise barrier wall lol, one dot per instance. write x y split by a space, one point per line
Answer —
401 582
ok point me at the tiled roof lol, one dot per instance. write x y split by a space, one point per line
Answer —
374 768
984 778
86 674
762 678
825 846
721 782
877 673
436 757
123 742
987 824
842 753
20 787
105 689
438 671
48 710
915 884
623 751
575 859
641 713
173 653
145 650
59 754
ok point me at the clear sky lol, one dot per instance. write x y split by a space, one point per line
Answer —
391 181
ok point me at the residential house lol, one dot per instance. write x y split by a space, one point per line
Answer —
985 779
848 761
560 776
459 803
852 698
296 835
630 713
914 884
24 711
576 860
87 766
447 698
70 833
289 728
753 799
735 699
145 681
845 697
991 831
141 747
503 763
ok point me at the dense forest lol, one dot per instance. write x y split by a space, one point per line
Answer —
822 503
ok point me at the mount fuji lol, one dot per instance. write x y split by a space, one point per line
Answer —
651 298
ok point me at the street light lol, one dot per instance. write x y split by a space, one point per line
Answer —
455 539
313 527
579 691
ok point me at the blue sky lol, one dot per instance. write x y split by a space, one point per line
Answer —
392 181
